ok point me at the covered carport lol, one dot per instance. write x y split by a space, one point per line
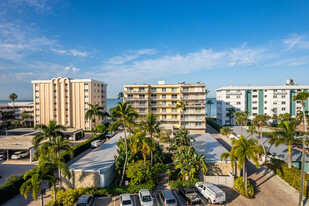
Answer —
18 143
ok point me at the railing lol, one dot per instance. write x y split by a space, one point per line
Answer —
233 93
192 119
193 90
280 93
135 91
162 105
193 98
132 98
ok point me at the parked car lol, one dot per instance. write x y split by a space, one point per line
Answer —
3 155
211 192
125 200
167 198
190 195
145 198
96 143
19 155
85 200
234 135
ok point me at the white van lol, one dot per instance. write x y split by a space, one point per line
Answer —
211 192
96 143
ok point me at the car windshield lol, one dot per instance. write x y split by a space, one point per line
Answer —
146 198
170 201
189 191
126 202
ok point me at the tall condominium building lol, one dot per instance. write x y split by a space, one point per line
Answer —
267 100
161 99
66 101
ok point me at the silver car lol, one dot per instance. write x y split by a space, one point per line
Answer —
125 200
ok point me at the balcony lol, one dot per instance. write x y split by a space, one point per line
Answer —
192 90
139 105
162 105
136 91
134 98
193 120
233 93
193 98
170 119
280 93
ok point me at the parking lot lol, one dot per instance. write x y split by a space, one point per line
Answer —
114 201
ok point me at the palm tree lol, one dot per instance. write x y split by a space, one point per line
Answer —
35 179
23 117
124 116
182 106
54 148
241 118
302 96
285 136
50 132
151 126
53 162
299 118
243 150
182 138
209 102
12 97
251 129
142 143
260 121
16 123
95 112
230 114
226 131
120 95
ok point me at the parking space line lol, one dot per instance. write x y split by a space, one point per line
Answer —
115 201
154 194
178 198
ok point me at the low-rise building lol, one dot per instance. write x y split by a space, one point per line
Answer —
161 99
7 112
266 100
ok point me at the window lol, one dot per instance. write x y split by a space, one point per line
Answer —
265 96
275 90
66 90
66 84
227 97
238 97
67 115
153 89
238 103
282 102
174 96
283 96
55 90
86 84
298 102
37 109
36 103
37 115
283 109
37 122
174 102
198 109
55 115
164 89
174 116
275 96
67 122
254 108
265 102
254 96
198 124
163 116
265 108
37 90
254 114
174 89
153 96
254 102
66 109
86 103
163 109
55 103
55 97
163 96
163 103
37 97
67 103
174 110
66 96
86 96
85 90
54 84
254 90
55 109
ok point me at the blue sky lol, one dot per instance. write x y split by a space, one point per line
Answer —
123 42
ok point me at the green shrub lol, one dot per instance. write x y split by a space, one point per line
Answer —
182 183
69 196
289 175
213 124
240 186
10 189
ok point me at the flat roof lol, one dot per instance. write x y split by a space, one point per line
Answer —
100 159
281 151
17 104
17 142
71 80
68 130
288 87
207 145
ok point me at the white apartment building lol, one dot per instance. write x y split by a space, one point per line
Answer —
161 99
6 110
66 100
259 100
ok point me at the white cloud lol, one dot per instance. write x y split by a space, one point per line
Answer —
132 55
297 41
71 52
22 75
72 70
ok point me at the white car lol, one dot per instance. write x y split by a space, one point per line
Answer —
145 198
211 192
19 155
96 143
125 200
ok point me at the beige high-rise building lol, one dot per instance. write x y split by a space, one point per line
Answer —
66 100
161 99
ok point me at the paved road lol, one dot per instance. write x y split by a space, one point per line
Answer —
269 188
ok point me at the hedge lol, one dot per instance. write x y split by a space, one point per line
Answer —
10 189
289 175
240 187
213 124
177 184
69 196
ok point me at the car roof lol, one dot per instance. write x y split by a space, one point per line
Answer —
205 184
145 192
168 194
188 188
125 196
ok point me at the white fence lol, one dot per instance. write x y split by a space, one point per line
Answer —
221 181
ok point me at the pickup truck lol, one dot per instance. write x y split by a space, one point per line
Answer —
211 192
190 195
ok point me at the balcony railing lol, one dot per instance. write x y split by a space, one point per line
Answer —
134 98
233 93
135 91
193 98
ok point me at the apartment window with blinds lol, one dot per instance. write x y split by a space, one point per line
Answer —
164 89
164 116
174 116
163 109
153 89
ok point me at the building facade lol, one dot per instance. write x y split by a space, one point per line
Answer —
7 112
66 101
161 99
266 100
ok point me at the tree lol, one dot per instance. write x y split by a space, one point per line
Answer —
95 112
285 136
302 96
299 118
284 117
209 102
226 131
182 138
124 116
243 150
241 118
101 128
189 162
152 127
230 114
35 179
49 132
120 95
142 143
260 121
251 129
23 117
16 123
13 97
182 106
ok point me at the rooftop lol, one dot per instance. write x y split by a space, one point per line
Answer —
100 159
17 142
17 104
71 80
207 145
